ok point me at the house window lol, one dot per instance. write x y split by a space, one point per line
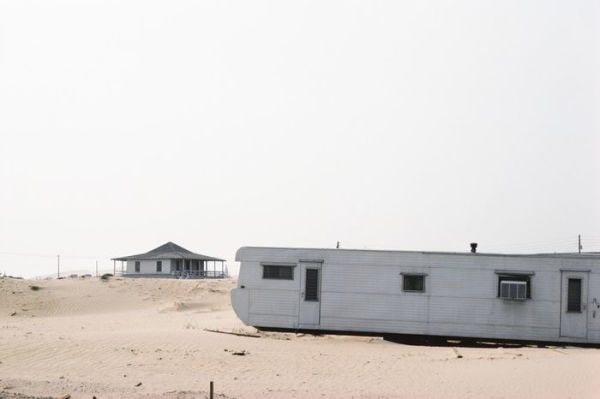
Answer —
159 266
278 272
514 286
137 266
574 295
413 282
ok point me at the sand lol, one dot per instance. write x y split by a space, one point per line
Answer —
146 338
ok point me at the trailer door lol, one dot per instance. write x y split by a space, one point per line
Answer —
574 294
309 314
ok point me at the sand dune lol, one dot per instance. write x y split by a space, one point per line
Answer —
92 337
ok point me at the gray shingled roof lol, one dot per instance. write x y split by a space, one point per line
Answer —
169 250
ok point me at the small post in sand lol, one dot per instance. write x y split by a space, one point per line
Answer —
212 390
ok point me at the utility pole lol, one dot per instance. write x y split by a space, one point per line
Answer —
58 266
579 247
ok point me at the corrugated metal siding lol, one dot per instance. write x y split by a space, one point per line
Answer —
261 320
273 302
373 307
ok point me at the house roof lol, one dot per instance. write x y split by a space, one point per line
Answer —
169 250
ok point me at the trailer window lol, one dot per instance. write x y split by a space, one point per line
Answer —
158 266
574 295
413 282
277 272
312 285
514 286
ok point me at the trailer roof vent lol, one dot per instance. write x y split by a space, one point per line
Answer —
473 247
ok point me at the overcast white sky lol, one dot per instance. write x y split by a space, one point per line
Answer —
218 124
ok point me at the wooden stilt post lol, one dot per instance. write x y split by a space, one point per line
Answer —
212 390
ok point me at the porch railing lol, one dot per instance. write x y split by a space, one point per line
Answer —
198 274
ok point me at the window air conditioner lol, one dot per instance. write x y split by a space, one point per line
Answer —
513 289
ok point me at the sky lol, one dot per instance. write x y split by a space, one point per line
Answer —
218 124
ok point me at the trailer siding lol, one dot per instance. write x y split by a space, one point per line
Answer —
362 291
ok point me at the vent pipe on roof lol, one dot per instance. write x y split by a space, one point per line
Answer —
473 247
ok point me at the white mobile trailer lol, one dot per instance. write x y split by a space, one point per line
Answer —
545 297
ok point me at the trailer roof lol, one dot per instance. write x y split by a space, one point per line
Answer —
535 255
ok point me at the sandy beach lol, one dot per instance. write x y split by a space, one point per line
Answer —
147 338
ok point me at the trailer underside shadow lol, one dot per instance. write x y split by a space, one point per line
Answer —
441 341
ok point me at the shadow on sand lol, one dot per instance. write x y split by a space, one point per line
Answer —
426 340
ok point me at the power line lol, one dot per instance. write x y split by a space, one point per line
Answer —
53 256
